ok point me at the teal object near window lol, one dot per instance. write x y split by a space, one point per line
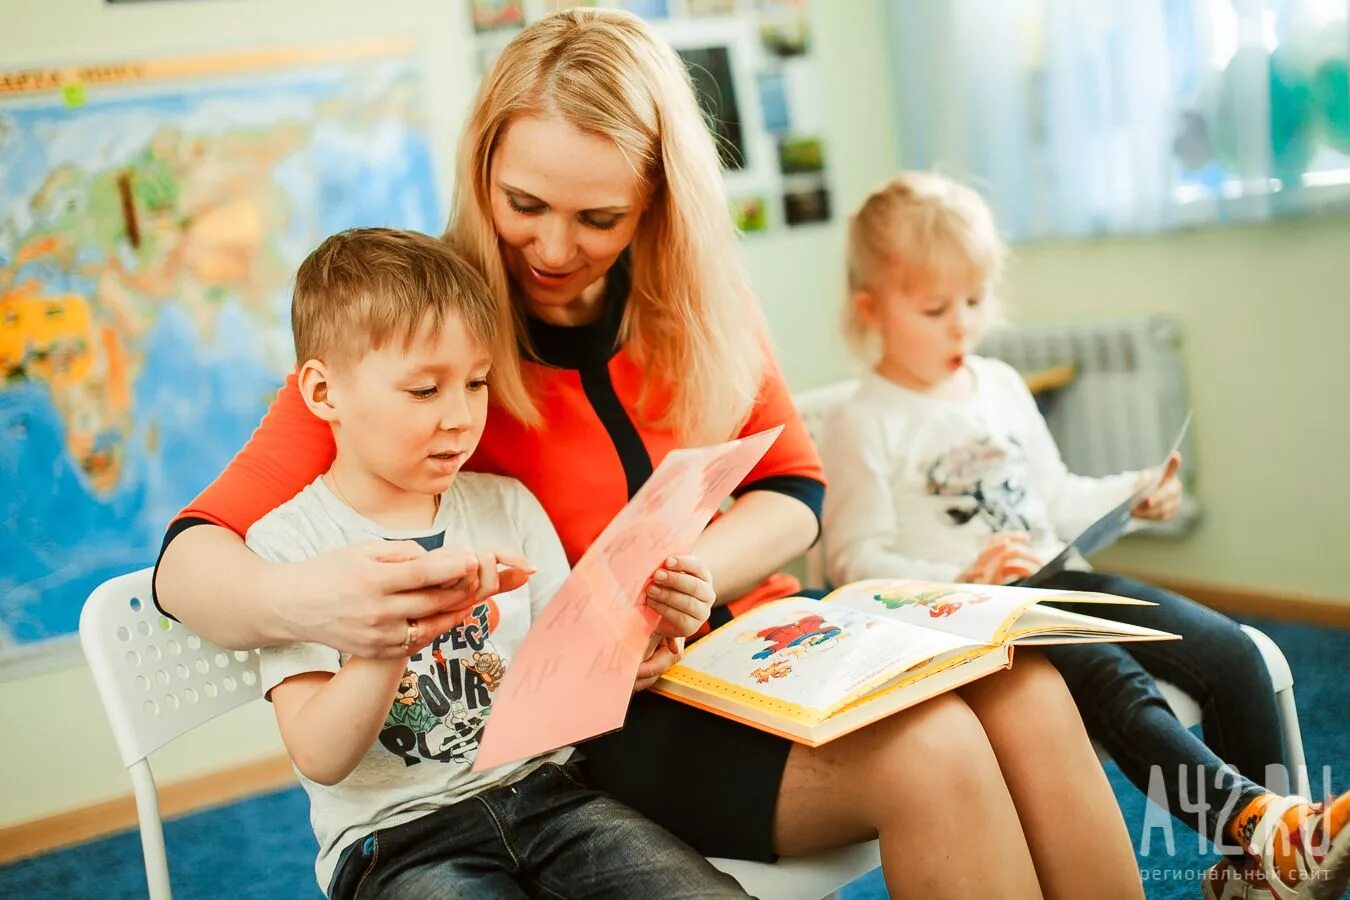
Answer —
1080 117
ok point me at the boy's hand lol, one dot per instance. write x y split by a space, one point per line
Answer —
1004 559
682 592
1165 499
499 570
666 653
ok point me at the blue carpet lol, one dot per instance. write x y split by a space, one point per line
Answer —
262 847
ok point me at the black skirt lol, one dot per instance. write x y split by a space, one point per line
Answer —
708 780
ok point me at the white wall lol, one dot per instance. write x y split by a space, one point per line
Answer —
56 742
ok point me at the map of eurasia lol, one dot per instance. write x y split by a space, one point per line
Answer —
148 234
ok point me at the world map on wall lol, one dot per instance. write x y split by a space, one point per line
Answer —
149 231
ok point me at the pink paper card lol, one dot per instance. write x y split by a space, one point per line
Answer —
573 675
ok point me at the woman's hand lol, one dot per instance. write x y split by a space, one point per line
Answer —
386 599
1164 501
1004 559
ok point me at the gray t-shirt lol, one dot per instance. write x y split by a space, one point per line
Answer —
420 762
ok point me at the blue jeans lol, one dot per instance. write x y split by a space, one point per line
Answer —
546 836
1214 662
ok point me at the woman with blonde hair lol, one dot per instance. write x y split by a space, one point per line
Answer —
589 194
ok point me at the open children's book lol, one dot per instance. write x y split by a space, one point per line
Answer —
813 670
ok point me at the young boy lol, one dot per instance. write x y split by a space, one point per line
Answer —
941 467
392 335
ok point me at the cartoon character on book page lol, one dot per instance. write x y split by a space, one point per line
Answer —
803 653
974 611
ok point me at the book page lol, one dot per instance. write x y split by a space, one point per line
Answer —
1049 625
1108 529
572 677
807 654
978 612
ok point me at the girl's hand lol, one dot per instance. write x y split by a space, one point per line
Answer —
682 592
1165 500
1003 560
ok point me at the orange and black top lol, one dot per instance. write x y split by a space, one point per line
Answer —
585 461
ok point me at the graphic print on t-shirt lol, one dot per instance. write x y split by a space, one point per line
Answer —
445 694
986 479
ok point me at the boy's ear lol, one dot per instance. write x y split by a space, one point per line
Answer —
314 388
865 302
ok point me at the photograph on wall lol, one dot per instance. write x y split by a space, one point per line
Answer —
785 36
711 7
806 205
148 237
490 15
774 107
716 89
648 9
800 155
552 6
750 214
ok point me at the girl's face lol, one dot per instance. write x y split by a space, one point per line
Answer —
565 204
926 333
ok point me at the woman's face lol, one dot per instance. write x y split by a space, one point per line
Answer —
565 204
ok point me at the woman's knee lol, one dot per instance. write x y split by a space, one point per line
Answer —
1032 689
939 745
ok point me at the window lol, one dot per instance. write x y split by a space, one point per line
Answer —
1102 116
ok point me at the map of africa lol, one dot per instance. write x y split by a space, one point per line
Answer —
148 234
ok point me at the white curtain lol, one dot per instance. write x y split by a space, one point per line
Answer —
1101 116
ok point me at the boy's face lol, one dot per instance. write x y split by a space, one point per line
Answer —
410 418
926 332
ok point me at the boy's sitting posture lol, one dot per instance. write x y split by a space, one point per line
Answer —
392 333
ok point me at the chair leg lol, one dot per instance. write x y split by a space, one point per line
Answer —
1293 743
152 833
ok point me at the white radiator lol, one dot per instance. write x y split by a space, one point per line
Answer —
1126 402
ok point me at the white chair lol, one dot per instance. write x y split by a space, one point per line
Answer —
157 681
815 406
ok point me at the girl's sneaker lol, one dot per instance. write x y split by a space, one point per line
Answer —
1297 851
1242 879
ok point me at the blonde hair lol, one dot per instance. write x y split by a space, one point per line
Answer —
925 229
364 287
690 320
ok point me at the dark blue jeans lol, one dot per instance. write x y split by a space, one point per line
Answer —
548 836
1214 662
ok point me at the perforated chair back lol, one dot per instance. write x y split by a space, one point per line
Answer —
157 681
156 678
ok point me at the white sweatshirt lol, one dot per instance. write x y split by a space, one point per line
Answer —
917 484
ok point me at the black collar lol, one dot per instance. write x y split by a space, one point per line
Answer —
576 346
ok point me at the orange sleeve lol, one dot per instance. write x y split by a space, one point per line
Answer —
794 454
288 450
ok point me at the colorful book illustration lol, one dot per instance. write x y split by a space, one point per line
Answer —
573 676
1108 529
812 671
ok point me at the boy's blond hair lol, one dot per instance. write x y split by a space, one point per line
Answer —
927 229
364 287
691 321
